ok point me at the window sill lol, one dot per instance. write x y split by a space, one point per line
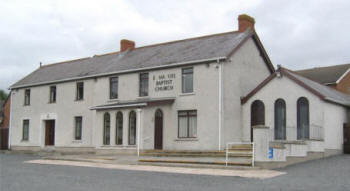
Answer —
79 100
113 100
77 141
187 94
118 146
143 97
24 141
186 139
51 102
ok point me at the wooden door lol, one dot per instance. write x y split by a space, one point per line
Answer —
346 138
158 130
50 132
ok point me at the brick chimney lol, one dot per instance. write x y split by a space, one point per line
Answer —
245 22
126 45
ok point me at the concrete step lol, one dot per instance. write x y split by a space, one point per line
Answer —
235 153
195 162
241 147
208 166
198 160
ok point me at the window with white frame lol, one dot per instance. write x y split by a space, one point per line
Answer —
113 87
80 91
143 85
27 97
187 124
187 80
52 94
78 127
25 131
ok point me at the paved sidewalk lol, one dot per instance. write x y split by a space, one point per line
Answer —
106 159
260 174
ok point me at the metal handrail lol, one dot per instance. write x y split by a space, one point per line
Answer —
240 143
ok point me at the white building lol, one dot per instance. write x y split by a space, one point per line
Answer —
181 95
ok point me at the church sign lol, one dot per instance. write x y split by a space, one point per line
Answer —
164 82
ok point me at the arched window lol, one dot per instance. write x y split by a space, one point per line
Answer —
132 128
106 128
119 129
257 115
280 119
303 125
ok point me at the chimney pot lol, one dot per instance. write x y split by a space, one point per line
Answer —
245 22
126 45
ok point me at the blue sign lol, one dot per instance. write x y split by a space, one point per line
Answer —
270 153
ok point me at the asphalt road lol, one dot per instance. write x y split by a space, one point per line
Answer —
327 174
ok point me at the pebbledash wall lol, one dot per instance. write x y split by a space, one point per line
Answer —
324 116
240 74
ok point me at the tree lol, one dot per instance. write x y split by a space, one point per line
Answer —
3 95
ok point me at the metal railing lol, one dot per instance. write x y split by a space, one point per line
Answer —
229 148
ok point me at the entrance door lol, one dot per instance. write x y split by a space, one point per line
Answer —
50 132
158 130
346 138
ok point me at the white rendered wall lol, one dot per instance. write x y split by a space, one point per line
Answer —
322 114
245 71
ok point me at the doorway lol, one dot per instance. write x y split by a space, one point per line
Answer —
49 132
158 130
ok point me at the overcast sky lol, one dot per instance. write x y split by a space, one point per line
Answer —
296 34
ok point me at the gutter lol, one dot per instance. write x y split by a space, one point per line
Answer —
118 106
121 72
220 101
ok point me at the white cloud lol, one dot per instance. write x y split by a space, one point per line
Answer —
296 34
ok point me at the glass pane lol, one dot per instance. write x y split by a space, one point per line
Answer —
303 119
114 88
119 130
78 128
280 120
80 90
132 128
183 126
27 97
187 80
106 129
25 130
193 126
144 84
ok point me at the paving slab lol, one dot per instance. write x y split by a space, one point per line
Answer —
260 173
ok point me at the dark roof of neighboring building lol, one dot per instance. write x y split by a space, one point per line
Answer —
325 75
193 50
323 92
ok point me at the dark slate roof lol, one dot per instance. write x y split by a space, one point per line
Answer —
327 93
325 75
324 92
194 49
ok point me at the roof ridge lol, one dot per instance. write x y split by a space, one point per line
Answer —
174 41
64 62
318 67
187 39
146 46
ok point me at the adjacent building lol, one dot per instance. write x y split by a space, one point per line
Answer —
4 123
337 77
